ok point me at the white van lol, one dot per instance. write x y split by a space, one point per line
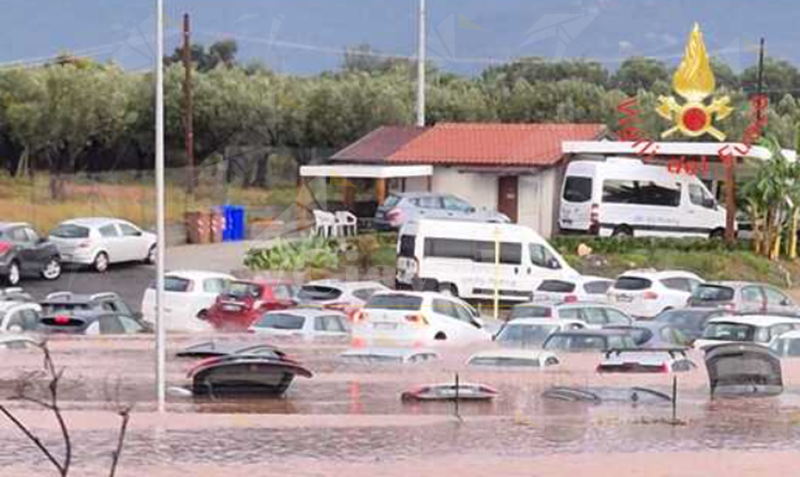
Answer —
625 197
457 258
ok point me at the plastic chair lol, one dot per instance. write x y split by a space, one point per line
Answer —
346 223
324 224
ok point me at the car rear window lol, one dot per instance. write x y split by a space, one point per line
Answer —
578 189
632 283
557 286
729 332
319 293
241 290
394 302
391 201
597 287
281 321
712 293
530 311
174 284
53 308
70 231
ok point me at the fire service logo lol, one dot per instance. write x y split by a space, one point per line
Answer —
694 82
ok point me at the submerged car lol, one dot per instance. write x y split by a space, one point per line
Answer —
532 332
635 395
450 392
215 349
93 322
787 345
68 303
389 355
513 358
305 323
24 253
583 288
18 341
743 370
743 297
761 330
594 315
667 360
647 334
690 322
19 317
646 293
588 341
340 295
188 294
245 374
245 301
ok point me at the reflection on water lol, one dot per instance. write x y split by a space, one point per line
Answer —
518 423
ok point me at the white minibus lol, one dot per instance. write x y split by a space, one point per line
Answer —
626 197
458 258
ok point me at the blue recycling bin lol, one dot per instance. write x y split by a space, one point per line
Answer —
235 224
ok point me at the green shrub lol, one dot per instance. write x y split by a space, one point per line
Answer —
606 245
313 253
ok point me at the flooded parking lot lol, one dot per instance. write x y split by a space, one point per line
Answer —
349 417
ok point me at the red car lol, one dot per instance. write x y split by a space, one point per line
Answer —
243 302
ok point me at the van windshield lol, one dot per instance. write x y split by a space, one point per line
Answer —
578 189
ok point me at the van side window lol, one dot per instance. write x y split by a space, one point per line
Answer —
642 193
541 257
699 196
578 189
483 252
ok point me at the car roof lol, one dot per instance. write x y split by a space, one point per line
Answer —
794 334
413 195
199 274
70 297
754 320
346 285
393 352
734 283
590 332
308 312
92 221
6 225
518 353
657 274
264 281
544 321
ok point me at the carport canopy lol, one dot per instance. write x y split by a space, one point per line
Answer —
380 173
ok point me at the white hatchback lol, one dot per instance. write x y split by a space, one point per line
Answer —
188 294
102 241
417 319
646 293
582 288
307 324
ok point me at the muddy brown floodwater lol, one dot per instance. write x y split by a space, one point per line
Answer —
349 420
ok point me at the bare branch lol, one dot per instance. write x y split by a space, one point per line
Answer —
32 437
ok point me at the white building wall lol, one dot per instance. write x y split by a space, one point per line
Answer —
479 189
537 205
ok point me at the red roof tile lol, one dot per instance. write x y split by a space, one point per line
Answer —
378 145
493 144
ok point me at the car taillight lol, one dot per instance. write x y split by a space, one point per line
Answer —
650 295
4 247
394 216
664 368
570 299
61 320
417 319
359 316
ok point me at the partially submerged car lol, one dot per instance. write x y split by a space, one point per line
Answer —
582 288
450 392
93 322
340 295
245 374
743 297
215 349
666 360
647 334
787 345
305 323
635 395
588 341
513 358
18 341
245 301
389 355
188 294
594 315
68 303
690 322
757 329
19 316
743 370
532 332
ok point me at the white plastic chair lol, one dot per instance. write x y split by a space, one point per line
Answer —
346 223
324 224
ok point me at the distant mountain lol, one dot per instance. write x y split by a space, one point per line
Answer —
307 36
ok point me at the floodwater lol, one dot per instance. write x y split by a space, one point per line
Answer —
348 419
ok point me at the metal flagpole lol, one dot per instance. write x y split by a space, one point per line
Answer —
161 356
421 66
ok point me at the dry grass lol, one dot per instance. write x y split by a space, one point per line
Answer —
28 200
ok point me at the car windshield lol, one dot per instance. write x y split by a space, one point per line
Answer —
70 231
712 293
729 332
530 311
394 302
319 293
280 321
525 335
632 283
242 290
576 343
391 201
557 286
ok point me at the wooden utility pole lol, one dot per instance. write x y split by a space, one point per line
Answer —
188 107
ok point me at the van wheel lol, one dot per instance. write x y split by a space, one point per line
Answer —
622 231
717 234
448 289
440 336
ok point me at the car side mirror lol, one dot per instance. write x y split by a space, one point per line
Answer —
709 203
41 240
553 263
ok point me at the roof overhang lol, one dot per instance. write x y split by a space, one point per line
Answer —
708 149
365 171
